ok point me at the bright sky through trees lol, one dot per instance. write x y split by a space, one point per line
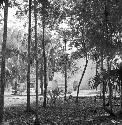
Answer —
65 27
13 22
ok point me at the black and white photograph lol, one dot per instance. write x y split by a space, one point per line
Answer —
60 62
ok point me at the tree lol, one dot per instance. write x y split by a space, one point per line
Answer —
41 76
100 23
36 59
110 85
81 78
86 58
28 72
120 78
65 69
2 78
44 55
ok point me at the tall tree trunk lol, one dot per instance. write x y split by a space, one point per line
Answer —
110 87
28 72
15 92
65 71
120 75
121 95
102 86
2 82
45 60
81 78
96 70
18 59
41 79
101 51
36 58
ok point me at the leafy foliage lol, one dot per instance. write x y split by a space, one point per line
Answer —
54 96
99 22
113 75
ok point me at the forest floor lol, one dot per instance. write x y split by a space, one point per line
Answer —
86 112
15 100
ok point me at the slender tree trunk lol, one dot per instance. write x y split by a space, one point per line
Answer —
45 61
65 81
36 58
15 92
41 79
103 83
41 84
110 87
121 96
119 113
2 78
28 72
65 72
81 78
120 75
96 70
18 63
101 51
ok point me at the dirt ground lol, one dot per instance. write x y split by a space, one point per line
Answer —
14 100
